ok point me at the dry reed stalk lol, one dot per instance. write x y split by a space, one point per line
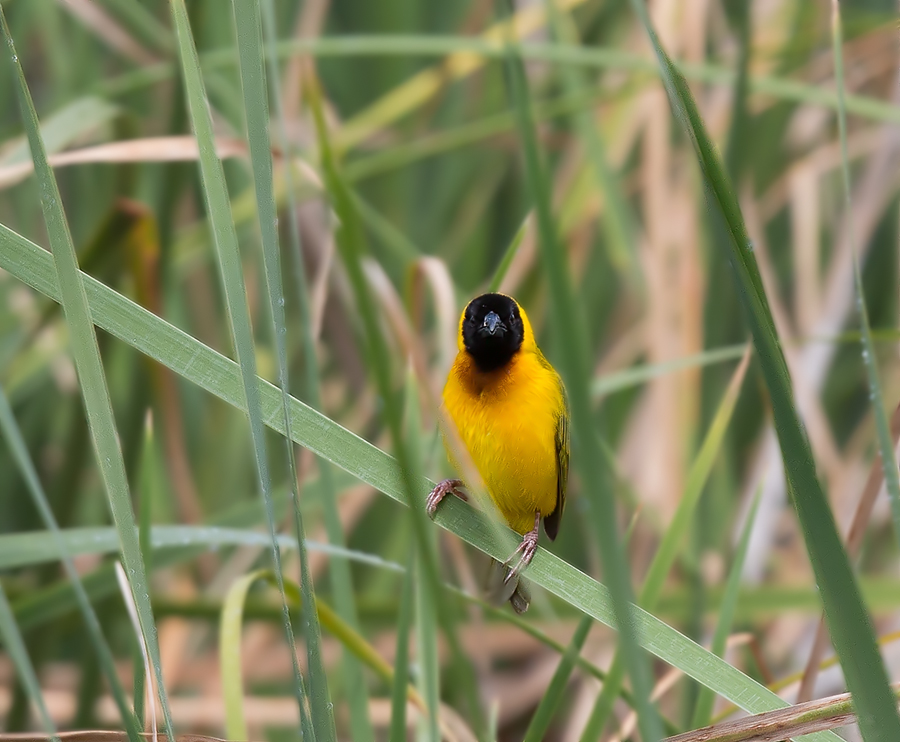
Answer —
773 726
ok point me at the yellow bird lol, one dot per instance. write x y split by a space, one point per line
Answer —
509 406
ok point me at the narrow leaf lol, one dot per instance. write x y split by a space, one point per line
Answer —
568 325
540 722
851 628
229 260
89 367
15 646
706 698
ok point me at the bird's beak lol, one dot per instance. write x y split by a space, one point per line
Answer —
493 324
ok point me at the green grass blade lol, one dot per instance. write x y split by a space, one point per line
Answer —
543 715
220 376
849 624
694 486
230 652
619 222
140 21
34 547
56 541
89 366
148 491
882 428
397 731
230 642
428 604
706 698
427 652
351 245
27 677
339 570
741 23
667 550
248 24
231 625
435 45
619 380
568 324
509 254
228 255
392 239
446 140
62 128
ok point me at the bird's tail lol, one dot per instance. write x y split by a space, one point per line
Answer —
498 589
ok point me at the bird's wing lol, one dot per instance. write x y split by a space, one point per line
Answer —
551 522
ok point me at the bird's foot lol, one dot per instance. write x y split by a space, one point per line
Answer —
526 549
437 495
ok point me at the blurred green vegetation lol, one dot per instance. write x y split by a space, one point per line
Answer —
429 189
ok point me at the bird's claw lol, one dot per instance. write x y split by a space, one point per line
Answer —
437 495
527 549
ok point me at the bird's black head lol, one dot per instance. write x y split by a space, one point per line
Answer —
492 330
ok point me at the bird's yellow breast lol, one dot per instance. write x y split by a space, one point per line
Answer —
508 420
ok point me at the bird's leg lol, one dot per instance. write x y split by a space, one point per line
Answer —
527 549
437 495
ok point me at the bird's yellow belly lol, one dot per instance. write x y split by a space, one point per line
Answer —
511 436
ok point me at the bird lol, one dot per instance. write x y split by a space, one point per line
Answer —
510 408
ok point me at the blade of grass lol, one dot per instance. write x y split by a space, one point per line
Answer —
850 626
619 380
27 677
360 648
401 249
509 254
397 731
219 375
57 541
352 248
69 124
667 550
427 606
423 86
33 547
143 24
753 603
740 20
339 571
618 221
885 438
228 257
248 24
540 722
230 630
232 614
434 45
147 491
706 698
448 139
697 478
429 675
572 339
142 656
89 367
882 428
